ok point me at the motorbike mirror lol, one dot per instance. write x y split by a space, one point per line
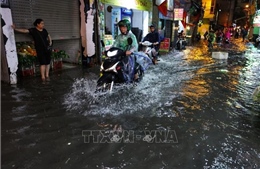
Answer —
102 43
129 41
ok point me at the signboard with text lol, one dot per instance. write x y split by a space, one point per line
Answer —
178 14
145 5
165 45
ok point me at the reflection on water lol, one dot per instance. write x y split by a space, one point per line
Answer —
209 102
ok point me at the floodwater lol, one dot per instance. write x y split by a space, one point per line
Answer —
189 111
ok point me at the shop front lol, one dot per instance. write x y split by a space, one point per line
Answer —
172 19
61 20
138 12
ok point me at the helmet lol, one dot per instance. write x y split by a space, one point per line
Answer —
126 23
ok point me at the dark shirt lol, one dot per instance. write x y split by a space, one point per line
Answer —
40 38
152 37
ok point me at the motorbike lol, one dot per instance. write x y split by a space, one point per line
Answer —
180 44
117 68
149 50
257 41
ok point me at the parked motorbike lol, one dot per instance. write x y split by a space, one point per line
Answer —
257 41
117 68
180 44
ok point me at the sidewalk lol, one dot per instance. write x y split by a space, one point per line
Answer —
75 70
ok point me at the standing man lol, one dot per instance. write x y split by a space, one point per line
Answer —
211 39
42 41
244 33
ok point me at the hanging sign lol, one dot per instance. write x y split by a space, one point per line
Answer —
178 14
145 5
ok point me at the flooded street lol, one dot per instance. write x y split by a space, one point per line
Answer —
189 111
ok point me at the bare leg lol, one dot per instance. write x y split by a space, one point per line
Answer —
42 70
47 70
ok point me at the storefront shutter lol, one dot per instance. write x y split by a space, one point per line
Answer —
61 18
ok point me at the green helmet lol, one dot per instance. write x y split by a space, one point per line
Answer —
126 23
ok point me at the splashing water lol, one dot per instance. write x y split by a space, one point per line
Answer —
155 89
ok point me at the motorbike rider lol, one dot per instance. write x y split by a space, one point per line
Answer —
121 42
211 39
154 37
227 36
181 42
219 36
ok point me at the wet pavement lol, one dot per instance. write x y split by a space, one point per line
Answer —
190 111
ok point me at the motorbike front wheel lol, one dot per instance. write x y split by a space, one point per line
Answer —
140 74
103 81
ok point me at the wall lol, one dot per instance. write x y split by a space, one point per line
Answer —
72 50
63 23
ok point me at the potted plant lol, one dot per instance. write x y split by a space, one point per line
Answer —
26 58
57 56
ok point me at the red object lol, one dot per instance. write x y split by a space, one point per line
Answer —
118 68
27 71
184 19
57 65
165 45
163 8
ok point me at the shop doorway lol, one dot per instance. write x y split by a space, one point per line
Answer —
113 14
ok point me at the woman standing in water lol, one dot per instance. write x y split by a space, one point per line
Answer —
42 41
